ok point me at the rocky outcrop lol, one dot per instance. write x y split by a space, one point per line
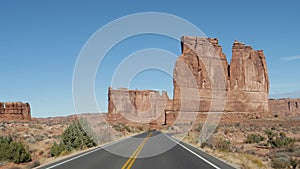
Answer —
284 107
137 106
202 71
203 82
14 111
249 80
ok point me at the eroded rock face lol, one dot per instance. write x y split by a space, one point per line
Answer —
249 80
199 72
137 106
244 85
14 111
285 107
203 82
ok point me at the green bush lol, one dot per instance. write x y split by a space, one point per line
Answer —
74 137
254 138
57 149
281 141
270 134
13 151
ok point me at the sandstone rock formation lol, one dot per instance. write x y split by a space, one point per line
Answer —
249 80
14 111
137 106
245 81
198 74
285 107
203 82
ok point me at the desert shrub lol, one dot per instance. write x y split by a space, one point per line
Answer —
281 141
13 151
117 128
56 149
205 144
17 153
254 138
121 127
270 134
74 137
281 163
221 144
127 128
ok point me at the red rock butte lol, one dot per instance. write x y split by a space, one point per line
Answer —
245 81
200 71
15 111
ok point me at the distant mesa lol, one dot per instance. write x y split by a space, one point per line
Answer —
137 106
285 107
15 111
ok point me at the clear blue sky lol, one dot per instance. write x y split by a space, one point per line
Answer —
40 41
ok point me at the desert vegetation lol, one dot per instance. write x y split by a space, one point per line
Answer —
13 151
266 143
75 137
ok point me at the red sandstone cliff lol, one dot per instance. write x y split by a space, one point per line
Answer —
14 111
285 107
140 106
203 82
249 81
245 81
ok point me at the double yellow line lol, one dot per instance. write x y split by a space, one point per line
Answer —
133 157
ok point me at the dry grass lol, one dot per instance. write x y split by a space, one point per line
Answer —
245 161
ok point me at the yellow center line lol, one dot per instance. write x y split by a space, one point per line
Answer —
134 155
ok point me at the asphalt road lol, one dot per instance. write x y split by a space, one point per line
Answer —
149 150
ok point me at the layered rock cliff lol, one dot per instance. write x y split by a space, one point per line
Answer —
140 106
199 74
285 107
14 111
249 80
202 69
203 82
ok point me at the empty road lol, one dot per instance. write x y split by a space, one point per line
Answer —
149 150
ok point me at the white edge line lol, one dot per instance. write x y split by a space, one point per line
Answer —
202 158
89 152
